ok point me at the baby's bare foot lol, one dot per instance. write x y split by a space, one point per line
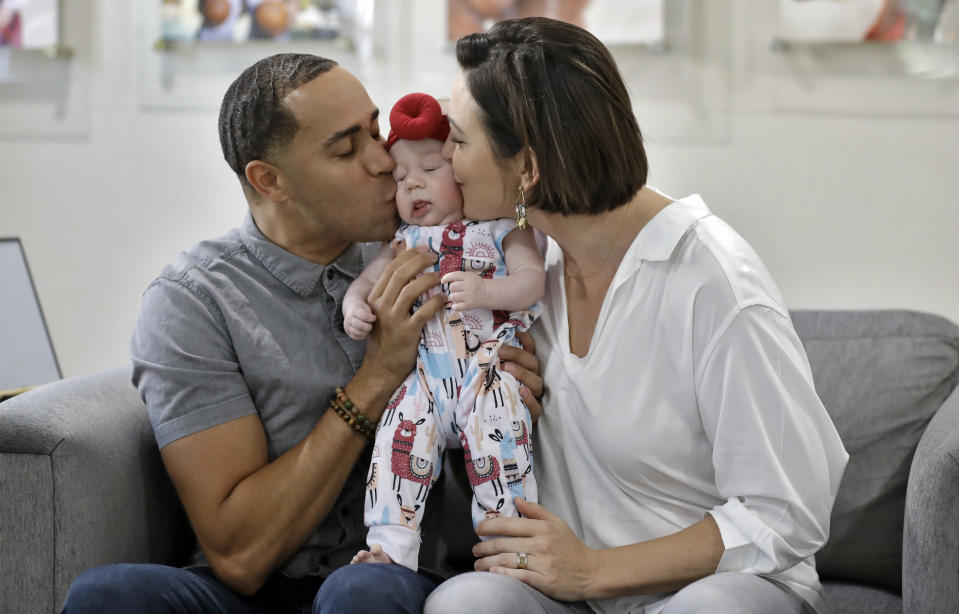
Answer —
373 555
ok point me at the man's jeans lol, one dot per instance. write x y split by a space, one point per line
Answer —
150 589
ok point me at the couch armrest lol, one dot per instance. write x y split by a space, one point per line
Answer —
81 484
930 549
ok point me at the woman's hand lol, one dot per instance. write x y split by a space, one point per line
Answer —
558 564
524 366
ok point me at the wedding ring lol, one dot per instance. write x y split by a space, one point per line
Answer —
521 560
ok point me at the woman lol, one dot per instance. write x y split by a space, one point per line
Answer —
685 462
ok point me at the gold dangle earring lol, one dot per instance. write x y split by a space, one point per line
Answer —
521 222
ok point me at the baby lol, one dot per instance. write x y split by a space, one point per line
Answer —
457 395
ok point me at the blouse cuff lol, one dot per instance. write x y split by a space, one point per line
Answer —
742 533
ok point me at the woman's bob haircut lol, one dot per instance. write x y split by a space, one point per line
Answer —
551 88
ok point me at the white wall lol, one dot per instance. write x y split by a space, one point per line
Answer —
844 183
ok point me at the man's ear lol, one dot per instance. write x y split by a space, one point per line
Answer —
529 176
266 179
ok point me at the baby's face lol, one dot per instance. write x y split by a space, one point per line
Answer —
426 193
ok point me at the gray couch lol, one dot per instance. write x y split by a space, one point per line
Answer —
81 483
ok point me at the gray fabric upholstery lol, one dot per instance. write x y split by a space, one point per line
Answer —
845 598
882 376
930 555
26 527
81 484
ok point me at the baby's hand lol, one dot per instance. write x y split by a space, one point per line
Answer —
467 290
358 320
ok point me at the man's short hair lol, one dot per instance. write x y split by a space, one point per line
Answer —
253 117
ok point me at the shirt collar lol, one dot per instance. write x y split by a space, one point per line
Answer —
298 274
660 236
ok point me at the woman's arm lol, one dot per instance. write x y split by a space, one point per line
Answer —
660 565
777 458
563 567
523 285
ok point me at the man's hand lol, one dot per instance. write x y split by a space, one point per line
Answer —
391 346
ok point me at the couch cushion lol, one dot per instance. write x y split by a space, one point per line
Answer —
94 492
881 375
845 598
26 533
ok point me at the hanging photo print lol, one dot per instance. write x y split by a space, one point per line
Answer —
845 21
243 20
28 24
612 21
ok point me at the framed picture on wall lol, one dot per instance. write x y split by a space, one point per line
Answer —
249 20
29 24
612 21
44 88
875 57
852 21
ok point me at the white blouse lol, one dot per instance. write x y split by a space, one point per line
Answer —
695 397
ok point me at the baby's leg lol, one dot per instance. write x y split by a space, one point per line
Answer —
406 463
496 429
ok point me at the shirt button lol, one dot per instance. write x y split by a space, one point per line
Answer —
329 274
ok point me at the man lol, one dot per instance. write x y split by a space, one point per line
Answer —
239 347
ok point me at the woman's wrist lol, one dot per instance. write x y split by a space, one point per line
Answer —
659 565
619 572
596 588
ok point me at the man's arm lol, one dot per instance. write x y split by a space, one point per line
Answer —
250 515
524 284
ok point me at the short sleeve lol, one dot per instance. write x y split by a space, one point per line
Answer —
776 455
501 227
184 365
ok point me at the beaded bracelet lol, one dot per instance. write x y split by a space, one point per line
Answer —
351 421
345 408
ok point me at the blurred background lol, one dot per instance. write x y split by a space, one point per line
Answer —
825 131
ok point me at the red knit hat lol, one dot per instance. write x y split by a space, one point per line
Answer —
415 117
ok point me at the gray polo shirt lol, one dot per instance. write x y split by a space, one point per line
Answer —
240 326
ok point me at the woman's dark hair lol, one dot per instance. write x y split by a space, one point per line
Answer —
554 88
253 117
